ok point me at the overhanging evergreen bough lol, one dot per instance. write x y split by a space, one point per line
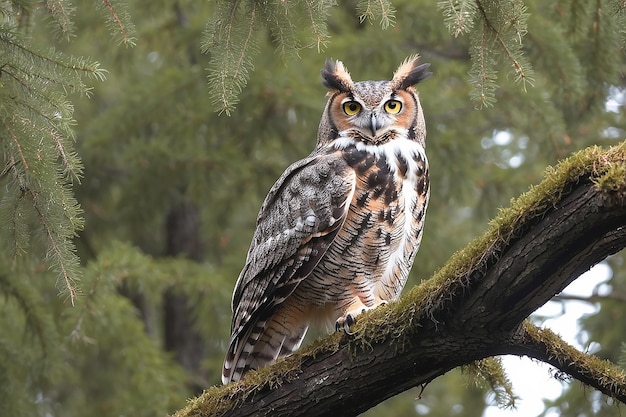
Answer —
475 307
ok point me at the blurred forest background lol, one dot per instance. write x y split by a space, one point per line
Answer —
168 189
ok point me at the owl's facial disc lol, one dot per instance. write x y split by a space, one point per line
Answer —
371 123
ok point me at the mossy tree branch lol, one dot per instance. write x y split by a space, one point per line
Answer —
544 345
475 307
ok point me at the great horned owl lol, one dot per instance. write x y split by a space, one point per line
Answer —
338 231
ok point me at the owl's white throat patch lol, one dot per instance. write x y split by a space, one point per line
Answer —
395 152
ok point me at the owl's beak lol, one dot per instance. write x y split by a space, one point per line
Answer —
375 124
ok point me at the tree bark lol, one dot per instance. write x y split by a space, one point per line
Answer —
475 307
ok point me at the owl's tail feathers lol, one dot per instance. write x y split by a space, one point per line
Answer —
265 342
239 351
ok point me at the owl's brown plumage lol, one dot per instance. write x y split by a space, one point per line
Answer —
338 231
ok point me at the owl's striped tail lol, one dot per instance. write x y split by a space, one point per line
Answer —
262 344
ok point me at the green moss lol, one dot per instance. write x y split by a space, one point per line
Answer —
608 377
613 179
489 373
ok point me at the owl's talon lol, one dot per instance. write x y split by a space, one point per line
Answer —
350 320
345 323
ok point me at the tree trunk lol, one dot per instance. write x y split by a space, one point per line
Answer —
475 307
180 334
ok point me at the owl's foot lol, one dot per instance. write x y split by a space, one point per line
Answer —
344 322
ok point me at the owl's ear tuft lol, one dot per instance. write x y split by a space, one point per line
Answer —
335 76
409 73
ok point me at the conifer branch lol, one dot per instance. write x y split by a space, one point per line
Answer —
17 230
61 257
37 111
482 74
38 155
486 96
70 169
16 142
115 17
56 217
368 9
62 67
365 11
60 249
517 66
232 45
313 8
11 205
32 91
387 13
459 15
282 27
240 59
120 22
61 11
54 59
500 33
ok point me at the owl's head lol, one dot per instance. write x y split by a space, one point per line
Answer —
373 111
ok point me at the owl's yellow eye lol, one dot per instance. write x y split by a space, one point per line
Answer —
393 106
351 108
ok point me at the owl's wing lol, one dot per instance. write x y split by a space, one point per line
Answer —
297 223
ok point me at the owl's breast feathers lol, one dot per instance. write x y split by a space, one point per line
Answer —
383 226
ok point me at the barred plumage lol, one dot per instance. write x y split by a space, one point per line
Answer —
338 231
